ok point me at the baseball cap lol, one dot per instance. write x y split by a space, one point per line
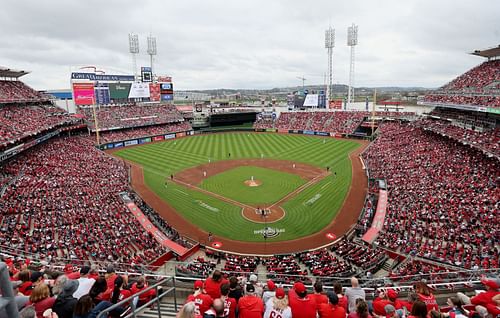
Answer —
250 288
198 284
253 278
490 283
392 294
68 268
332 298
299 287
271 285
280 293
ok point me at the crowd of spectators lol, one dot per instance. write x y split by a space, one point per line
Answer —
415 270
487 140
138 132
127 116
198 267
323 263
65 204
284 269
491 100
17 91
72 292
240 264
477 78
443 200
250 298
21 121
364 257
475 87
341 122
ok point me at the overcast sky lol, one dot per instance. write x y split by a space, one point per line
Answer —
248 44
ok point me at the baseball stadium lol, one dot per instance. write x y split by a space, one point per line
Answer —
145 201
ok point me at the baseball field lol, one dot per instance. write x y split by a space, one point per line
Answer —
237 185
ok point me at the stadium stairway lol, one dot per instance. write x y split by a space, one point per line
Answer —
167 309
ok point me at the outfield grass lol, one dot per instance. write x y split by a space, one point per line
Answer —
307 213
275 184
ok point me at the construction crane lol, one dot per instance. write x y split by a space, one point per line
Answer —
303 79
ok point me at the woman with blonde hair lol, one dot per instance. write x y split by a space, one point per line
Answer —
41 300
277 306
187 311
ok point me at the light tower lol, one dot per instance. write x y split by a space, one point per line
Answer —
329 44
151 50
352 41
133 44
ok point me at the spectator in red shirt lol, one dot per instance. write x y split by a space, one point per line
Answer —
484 299
319 295
302 305
250 306
337 288
41 300
212 284
229 303
138 287
332 309
202 301
424 294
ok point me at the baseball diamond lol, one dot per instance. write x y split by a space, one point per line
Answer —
208 191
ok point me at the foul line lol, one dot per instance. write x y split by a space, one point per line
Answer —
218 196
301 188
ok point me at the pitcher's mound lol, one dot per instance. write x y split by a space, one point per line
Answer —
253 183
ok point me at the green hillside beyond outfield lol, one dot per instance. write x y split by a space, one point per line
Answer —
306 213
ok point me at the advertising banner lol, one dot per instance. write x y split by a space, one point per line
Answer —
154 92
144 140
166 86
102 94
378 219
311 100
167 97
283 131
158 138
170 136
190 133
118 144
181 134
308 132
336 104
166 79
131 142
139 90
119 90
83 93
101 77
320 133
270 130
109 146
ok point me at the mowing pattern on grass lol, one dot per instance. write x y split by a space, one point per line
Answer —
308 212
275 185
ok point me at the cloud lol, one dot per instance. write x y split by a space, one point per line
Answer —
251 44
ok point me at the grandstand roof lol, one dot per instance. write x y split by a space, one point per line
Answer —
8 72
492 52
